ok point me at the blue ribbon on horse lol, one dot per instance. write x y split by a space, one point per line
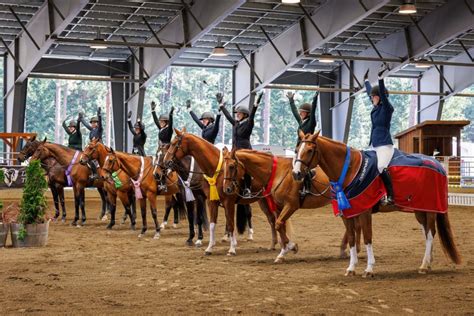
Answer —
337 187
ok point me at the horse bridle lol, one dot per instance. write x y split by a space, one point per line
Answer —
93 150
315 151
233 176
170 164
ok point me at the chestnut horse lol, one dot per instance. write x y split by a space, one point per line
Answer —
207 157
54 172
98 151
284 191
79 175
191 184
317 150
146 184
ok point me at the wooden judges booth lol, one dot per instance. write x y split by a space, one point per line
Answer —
436 138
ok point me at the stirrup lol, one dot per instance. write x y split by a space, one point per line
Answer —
387 200
247 193
303 193
163 188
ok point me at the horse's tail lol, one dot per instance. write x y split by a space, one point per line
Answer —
181 206
242 218
446 238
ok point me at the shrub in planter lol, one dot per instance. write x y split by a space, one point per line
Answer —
32 227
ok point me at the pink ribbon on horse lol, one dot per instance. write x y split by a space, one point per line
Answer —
271 203
136 187
69 169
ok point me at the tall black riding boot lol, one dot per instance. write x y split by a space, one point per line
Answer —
93 164
387 181
247 185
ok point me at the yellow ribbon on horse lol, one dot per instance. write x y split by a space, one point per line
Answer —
214 195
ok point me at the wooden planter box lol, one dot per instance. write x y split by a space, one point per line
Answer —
36 235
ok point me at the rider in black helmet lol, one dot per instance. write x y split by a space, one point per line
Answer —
209 126
74 132
139 135
96 131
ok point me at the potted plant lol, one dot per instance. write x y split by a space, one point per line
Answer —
31 230
3 226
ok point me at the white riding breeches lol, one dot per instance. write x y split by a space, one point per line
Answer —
384 155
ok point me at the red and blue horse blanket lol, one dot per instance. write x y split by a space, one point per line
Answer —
419 184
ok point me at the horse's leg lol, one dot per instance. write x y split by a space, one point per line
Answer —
169 202
63 203
113 208
342 249
213 208
176 213
133 209
154 214
271 218
286 244
427 222
103 198
365 223
126 201
248 211
54 192
229 207
77 198
83 206
350 228
190 209
143 211
199 217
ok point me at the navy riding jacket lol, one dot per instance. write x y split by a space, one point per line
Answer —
241 131
210 131
381 116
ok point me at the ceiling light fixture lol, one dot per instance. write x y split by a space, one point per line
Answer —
290 1
99 42
219 50
326 57
408 7
422 63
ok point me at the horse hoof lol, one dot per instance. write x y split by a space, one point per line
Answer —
250 238
109 227
343 255
208 253
225 239
141 235
295 249
78 226
189 242
278 260
74 223
175 226
231 253
368 274
63 220
350 273
132 227
423 270
104 218
198 243
157 236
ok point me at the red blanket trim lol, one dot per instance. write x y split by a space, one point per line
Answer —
271 203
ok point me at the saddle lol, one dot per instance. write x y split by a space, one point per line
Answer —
419 184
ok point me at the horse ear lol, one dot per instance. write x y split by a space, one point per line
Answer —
177 131
300 134
33 138
184 130
112 150
316 134
44 140
225 151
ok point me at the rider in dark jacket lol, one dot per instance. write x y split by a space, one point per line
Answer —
96 131
139 135
209 127
165 128
74 132
242 128
306 118
380 138
164 124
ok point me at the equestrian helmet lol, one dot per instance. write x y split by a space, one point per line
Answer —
242 109
94 119
164 117
207 115
375 91
305 107
72 123
139 125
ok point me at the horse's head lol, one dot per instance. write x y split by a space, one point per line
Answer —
178 148
159 167
41 152
307 155
111 163
233 171
90 152
28 149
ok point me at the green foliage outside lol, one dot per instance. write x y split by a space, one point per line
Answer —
460 108
33 202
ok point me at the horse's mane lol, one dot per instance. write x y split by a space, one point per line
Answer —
253 151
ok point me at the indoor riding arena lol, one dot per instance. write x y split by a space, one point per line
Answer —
256 157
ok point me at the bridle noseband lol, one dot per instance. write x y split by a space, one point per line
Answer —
315 152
